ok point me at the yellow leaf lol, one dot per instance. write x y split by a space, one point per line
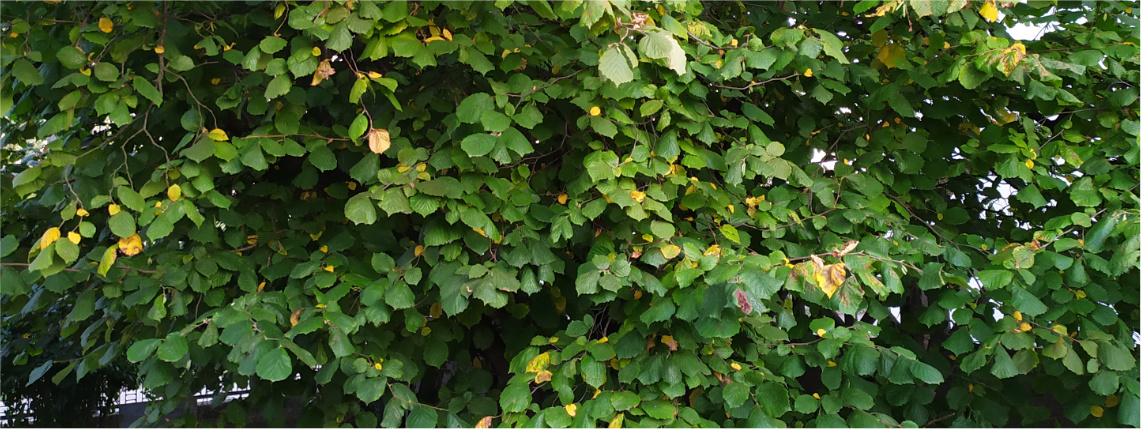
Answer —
252 239
670 251
1111 401
261 286
736 366
638 196
447 34
831 364
1030 164
562 198
1060 329
990 12
539 363
713 250
833 276
1018 315
174 192
74 237
378 140
618 420
105 25
418 250
378 366
889 53
820 332
295 317
160 49
595 111
670 342
808 73
50 236
316 51
572 409
324 71
1096 411
484 423
82 213
113 209
436 311
1025 327
325 248
278 11
816 395
603 340
543 377
215 81
132 245
218 135
329 268
733 43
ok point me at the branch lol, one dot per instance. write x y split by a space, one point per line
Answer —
756 83
694 36
76 270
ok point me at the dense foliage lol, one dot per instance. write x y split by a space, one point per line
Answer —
579 213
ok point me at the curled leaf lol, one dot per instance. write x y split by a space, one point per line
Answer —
743 301
378 140
174 192
539 363
543 377
295 317
132 245
217 135
989 11
50 236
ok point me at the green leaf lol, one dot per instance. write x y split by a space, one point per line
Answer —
67 250
515 397
774 399
26 72
660 45
735 394
1116 358
405 44
142 349
1003 366
173 348
471 108
926 373
422 417
106 72
272 44
478 144
122 224
659 409
360 209
358 127
146 89
277 87
39 372
441 187
340 38
369 390
995 279
614 66
833 47
731 233
275 365
70 57
622 401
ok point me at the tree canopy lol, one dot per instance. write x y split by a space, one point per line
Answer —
576 213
